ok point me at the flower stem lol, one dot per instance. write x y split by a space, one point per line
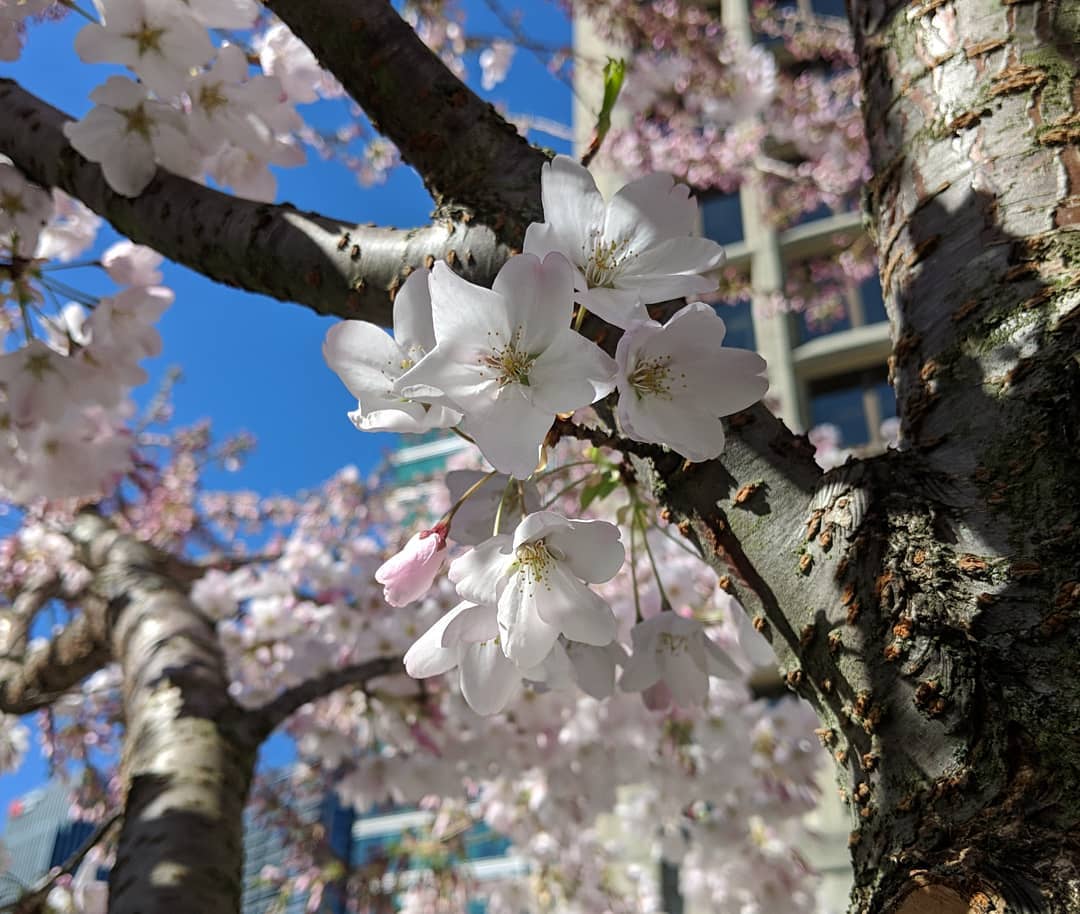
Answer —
468 493
639 519
633 574
499 509
568 487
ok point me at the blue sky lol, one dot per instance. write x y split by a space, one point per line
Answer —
252 363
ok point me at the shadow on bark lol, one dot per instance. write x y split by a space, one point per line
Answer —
961 749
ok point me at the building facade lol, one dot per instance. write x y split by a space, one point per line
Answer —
40 833
837 376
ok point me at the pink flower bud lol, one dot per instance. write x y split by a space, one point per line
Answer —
409 575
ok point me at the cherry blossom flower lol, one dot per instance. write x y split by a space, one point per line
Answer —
285 56
593 668
751 84
369 362
37 383
71 230
159 39
127 131
12 14
14 741
507 358
674 651
409 574
467 637
675 381
130 264
494 63
24 211
538 580
221 109
224 14
634 250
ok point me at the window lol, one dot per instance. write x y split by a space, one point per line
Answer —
873 302
829 8
721 218
856 403
739 320
834 307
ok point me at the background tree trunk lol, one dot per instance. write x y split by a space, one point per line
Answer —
187 764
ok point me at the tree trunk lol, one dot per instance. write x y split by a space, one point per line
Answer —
188 760
961 756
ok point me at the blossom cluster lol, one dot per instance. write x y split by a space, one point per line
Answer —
702 103
194 108
500 365
65 404
713 780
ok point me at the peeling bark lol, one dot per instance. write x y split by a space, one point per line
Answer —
967 572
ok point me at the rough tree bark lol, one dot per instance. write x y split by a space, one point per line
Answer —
189 749
926 601
186 766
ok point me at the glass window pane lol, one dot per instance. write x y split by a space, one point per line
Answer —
842 401
844 409
827 315
830 8
873 301
739 320
721 218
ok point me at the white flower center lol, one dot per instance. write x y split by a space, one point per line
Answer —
602 262
212 98
510 363
652 378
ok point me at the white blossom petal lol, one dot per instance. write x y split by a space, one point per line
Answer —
649 210
428 656
526 637
480 573
413 329
488 679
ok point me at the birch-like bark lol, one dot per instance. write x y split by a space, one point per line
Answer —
186 767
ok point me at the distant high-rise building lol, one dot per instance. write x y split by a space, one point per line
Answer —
41 833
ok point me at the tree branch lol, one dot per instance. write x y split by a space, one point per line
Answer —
329 265
265 719
467 154
31 680
749 513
